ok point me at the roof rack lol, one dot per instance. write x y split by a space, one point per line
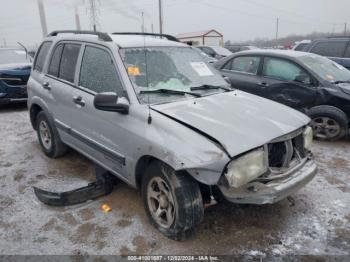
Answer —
102 36
169 37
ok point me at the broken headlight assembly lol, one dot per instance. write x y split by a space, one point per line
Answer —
246 168
308 137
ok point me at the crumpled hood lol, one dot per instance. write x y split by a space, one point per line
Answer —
238 120
16 66
345 87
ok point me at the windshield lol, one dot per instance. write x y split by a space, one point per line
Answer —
173 68
326 68
221 50
11 56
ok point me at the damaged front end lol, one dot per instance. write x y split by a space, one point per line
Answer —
272 172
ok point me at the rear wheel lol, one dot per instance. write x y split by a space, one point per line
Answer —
173 201
329 123
48 137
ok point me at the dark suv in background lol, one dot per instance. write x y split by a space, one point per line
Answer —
15 67
335 48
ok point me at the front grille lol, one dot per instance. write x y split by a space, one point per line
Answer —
283 152
14 80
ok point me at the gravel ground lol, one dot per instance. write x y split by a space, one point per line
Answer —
314 221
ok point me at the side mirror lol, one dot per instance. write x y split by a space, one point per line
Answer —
111 102
305 79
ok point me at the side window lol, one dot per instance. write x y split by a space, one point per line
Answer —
330 48
55 61
245 64
98 72
284 70
69 61
40 58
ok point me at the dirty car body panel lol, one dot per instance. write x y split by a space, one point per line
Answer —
199 135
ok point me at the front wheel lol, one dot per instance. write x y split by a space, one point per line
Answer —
173 201
329 123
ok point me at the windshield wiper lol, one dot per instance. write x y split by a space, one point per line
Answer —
169 91
208 87
341 82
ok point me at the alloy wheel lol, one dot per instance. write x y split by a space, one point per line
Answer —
161 202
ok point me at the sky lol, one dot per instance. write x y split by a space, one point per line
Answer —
237 20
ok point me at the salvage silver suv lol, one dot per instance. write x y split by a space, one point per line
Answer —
152 112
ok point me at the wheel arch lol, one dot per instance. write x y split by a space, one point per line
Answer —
34 110
141 166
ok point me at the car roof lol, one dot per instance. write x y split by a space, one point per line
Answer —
126 41
123 41
273 52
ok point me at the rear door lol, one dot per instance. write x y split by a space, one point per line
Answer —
242 72
60 84
333 49
288 83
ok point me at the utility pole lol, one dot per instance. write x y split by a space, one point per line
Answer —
77 18
277 28
42 17
160 17
93 14
152 28
143 23
5 44
345 25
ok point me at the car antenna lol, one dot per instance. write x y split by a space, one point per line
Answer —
25 49
146 68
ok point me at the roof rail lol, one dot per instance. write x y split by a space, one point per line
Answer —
102 36
169 37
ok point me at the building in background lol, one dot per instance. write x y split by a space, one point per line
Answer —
209 37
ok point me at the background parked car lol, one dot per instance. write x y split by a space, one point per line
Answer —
217 52
310 83
335 48
301 45
15 67
239 48
209 59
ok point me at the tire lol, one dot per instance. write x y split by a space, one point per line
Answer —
51 144
329 123
182 199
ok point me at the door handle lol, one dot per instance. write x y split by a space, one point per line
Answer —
263 84
46 85
79 100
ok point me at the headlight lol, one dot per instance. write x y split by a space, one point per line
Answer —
308 137
246 168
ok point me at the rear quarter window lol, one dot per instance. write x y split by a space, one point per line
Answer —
329 48
41 57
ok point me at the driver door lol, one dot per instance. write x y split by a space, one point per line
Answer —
99 134
286 82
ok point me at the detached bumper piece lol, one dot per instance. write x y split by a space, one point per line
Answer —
270 192
101 187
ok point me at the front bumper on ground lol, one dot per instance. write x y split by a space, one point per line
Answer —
273 191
